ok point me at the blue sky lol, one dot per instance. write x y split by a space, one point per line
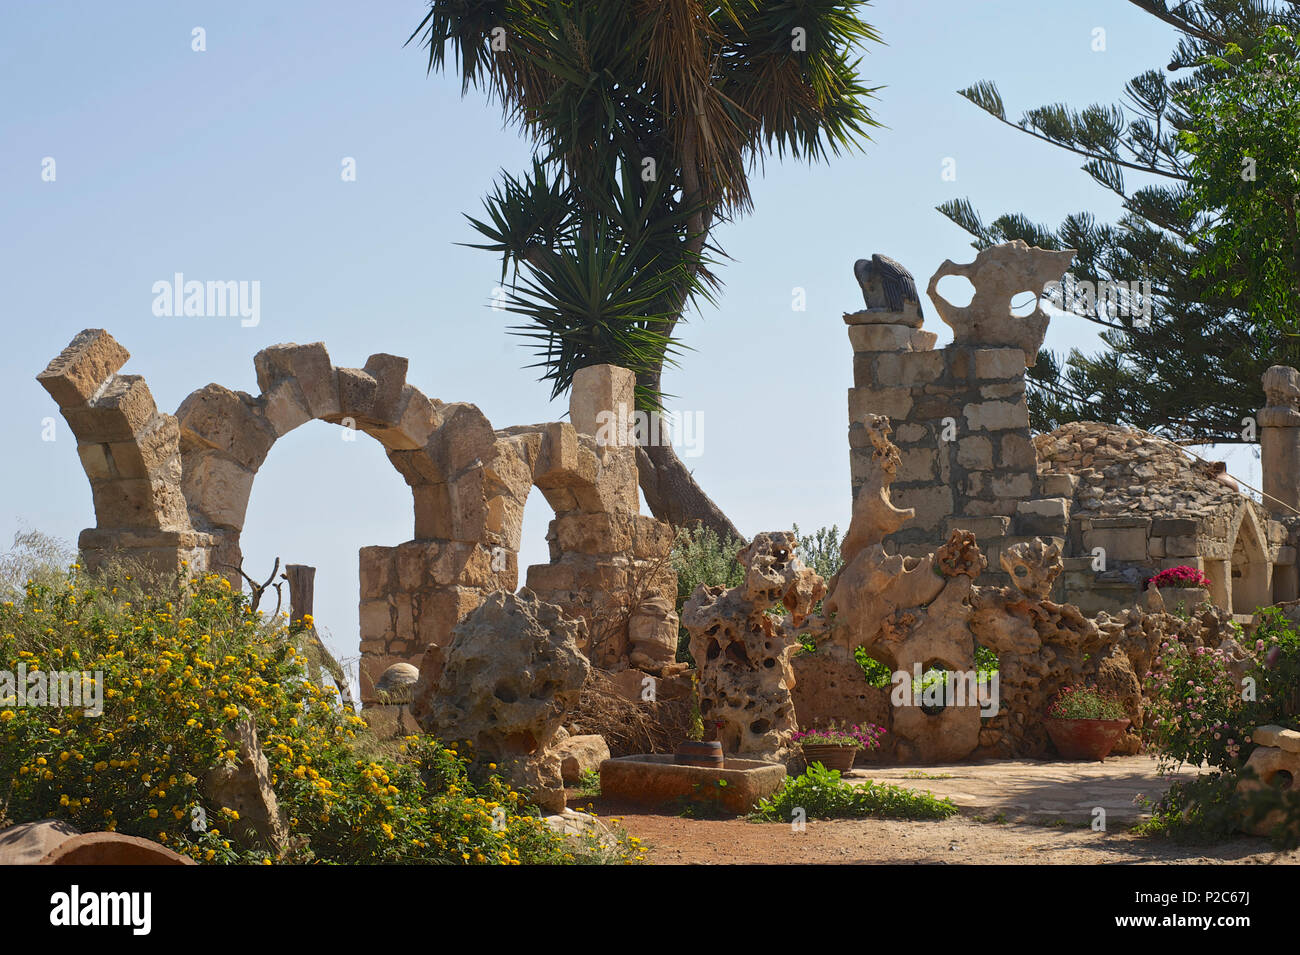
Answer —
225 164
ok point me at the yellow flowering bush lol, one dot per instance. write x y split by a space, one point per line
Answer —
179 669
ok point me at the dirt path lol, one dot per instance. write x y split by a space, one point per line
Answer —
1015 812
675 840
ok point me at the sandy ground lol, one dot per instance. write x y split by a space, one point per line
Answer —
674 840
1013 812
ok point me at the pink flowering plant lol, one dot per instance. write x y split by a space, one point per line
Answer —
1203 710
1181 576
1198 712
864 736
1085 703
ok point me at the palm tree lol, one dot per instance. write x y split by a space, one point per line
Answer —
647 117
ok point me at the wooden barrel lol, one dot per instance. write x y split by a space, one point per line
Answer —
692 753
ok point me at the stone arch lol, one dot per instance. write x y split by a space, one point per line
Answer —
1250 568
174 490
225 435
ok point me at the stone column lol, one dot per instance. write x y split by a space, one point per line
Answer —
1279 441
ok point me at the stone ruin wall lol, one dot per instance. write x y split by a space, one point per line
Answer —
960 533
968 460
171 492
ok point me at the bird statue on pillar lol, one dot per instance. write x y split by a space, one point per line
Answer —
889 291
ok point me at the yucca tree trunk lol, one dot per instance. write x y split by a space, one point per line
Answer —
670 489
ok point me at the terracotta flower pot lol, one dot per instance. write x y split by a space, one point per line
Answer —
1084 739
830 755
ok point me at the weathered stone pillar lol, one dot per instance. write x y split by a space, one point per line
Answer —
1279 440
131 454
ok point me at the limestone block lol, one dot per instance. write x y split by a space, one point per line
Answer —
580 755
155 449
932 504
139 502
97 462
1155 547
376 618
1058 485
416 466
120 408
602 393
377 571
975 452
1282 738
417 420
999 363
890 338
216 417
90 359
1014 486
217 487
893 403
916 465
357 393
309 365
464 440
432 511
389 373
910 369
1016 452
905 433
983 527
441 609
1121 542
996 415
1007 389
285 407
1181 546
468 505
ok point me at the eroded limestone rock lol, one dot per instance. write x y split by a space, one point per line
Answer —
743 650
511 675
999 273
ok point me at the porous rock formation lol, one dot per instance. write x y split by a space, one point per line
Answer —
926 610
743 650
511 675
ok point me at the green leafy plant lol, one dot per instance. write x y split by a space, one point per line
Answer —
179 670
822 794
1085 703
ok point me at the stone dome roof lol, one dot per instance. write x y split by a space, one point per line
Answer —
1127 471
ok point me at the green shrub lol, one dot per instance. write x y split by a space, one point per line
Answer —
178 671
822 794
1197 810
1200 712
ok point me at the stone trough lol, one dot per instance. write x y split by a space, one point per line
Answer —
655 780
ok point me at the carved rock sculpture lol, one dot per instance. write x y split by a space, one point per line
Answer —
1033 566
999 273
743 651
889 292
512 674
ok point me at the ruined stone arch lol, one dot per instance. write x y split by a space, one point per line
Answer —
172 491
225 435
1250 568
